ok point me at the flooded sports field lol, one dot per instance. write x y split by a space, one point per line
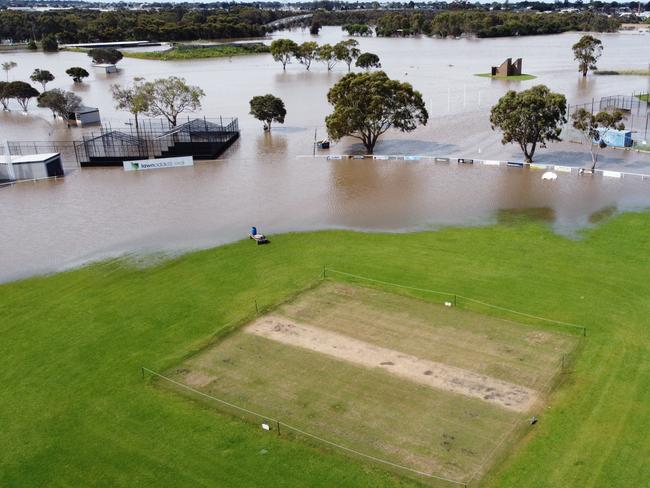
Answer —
271 180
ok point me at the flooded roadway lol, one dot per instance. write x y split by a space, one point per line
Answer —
95 213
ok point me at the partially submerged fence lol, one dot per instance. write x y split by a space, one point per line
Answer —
202 138
636 113
486 162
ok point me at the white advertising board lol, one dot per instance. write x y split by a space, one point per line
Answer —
158 163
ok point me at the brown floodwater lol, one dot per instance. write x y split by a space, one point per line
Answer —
265 180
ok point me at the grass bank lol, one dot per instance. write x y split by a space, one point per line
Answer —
75 410
188 51
645 97
522 77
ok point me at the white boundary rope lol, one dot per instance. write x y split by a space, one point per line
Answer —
300 431
497 307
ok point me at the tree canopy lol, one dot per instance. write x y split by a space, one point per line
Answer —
587 51
7 66
327 55
134 98
60 102
306 53
594 127
529 118
347 51
282 50
367 61
268 108
358 29
42 76
169 97
77 74
20 91
105 55
366 105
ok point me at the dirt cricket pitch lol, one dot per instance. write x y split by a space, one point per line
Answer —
432 388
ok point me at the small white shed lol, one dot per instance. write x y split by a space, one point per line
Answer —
108 68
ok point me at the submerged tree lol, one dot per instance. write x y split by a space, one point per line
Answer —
366 105
134 98
42 76
594 128
529 118
327 55
22 92
315 27
169 97
77 74
60 102
347 51
367 61
587 51
282 50
4 96
105 56
268 108
7 66
306 53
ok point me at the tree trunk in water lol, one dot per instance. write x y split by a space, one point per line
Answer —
594 160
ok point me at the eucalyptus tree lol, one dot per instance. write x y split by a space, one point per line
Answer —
366 105
529 118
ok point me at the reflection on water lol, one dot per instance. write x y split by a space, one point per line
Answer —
512 216
263 181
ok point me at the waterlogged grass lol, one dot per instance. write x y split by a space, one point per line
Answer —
522 77
644 97
633 72
188 52
76 412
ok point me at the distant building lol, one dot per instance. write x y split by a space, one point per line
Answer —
30 167
508 68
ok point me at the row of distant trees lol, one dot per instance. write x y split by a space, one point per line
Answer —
61 103
284 50
183 23
163 24
165 97
44 76
456 23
